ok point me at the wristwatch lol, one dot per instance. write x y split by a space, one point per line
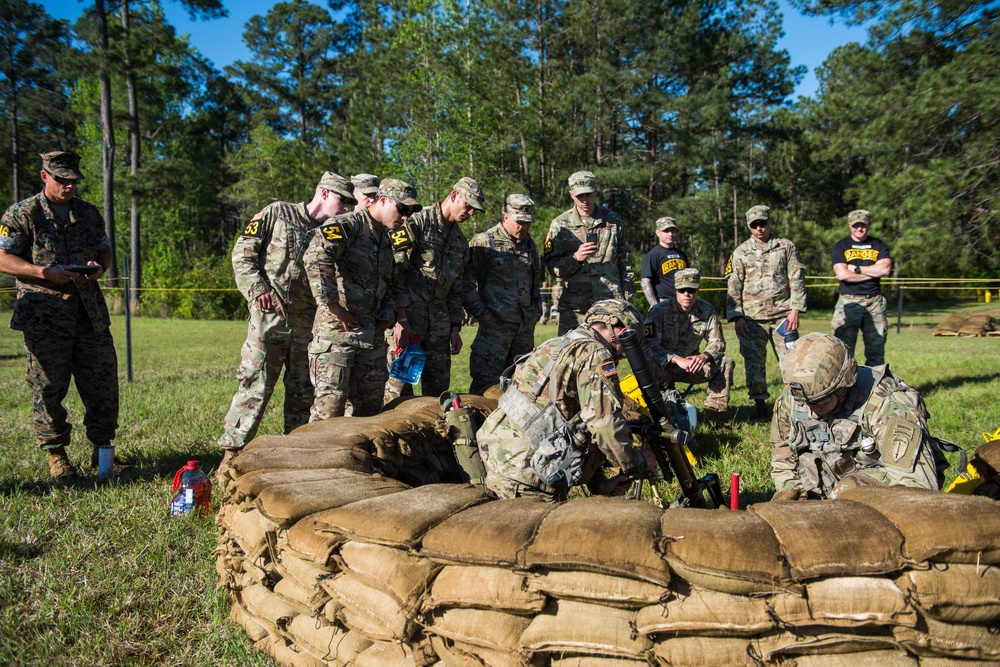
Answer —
857 269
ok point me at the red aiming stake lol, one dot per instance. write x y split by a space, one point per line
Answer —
734 492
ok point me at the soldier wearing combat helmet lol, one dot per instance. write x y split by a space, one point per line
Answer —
559 419
838 425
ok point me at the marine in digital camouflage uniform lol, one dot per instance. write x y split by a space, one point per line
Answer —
837 426
62 313
766 285
503 292
351 272
859 262
431 252
674 331
587 272
587 394
267 262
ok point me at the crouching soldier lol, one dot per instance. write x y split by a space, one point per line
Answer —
560 418
838 425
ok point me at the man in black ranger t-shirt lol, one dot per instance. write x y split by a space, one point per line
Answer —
860 261
660 263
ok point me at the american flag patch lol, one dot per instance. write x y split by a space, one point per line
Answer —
609 369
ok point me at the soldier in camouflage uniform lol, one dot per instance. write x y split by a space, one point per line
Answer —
578 372
587 270
766 285
365 190
267 262
503 291
674 331
859 262
351 272
431 252
62 313
837 426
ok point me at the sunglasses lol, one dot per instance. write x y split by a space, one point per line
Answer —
687 290
62 181
860 225
759 224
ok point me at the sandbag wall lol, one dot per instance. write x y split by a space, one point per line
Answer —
345 544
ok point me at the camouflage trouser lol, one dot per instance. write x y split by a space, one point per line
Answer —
496 346
272 343
719 377
856 311
89 358
753 347
570 319
341 373
436 376
505 488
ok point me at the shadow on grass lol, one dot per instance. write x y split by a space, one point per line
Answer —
927 388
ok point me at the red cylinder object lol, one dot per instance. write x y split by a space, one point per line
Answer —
734 492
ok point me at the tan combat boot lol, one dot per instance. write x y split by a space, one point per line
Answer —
59 464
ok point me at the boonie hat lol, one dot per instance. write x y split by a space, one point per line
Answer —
520 207
366 184
399 191
859 216
62 164
582 182
340 185
687 279
758 213
473 193
664 224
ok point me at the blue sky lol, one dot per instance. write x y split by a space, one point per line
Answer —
808 40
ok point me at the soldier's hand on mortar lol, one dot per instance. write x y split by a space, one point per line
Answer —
265 301
616 486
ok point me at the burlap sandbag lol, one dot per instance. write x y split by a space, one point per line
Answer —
325 641
578 627
731 552
253 532
495 533
486 628
605 535
383 654
859 601
483 587
368 610
248 486
270 610
400 519
287 503
346 439
402 575
288 655
703 651
828 642
933 661
833 538
460 654
713 613
305 576
942 527
313 599
342 426
348 458
954 640
956 592
307 543
596 661
331 610
880 658
255 629
605 589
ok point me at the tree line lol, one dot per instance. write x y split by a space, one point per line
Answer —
680 107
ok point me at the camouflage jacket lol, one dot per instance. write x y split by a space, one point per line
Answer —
767 280
268 256
31 230
350 263
670 332
587 392
880 406
430 256
504 277
606 275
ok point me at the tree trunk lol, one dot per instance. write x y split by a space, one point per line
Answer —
108 138
15 152
135 264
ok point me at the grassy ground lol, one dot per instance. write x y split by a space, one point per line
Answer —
99 574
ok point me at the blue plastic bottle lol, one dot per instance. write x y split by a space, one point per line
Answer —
410 364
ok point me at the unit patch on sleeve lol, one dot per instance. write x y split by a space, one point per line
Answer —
402 239
333 232
253 228
609 369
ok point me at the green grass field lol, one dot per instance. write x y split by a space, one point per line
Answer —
100 574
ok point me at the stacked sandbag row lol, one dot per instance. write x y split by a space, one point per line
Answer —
966 324
339 566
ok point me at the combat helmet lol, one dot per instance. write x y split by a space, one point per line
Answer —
817 366
615 311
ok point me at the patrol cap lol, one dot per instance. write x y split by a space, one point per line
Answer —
687 279
365 184
400 192
859 216
62 164
582 182
473 193
337 183
520 207
758 213
664 224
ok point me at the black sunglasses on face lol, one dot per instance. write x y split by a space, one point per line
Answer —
758 224
687 290
62 181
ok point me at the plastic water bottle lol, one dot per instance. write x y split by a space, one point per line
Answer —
193 490
410 364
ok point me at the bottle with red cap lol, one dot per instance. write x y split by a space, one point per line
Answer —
193 490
